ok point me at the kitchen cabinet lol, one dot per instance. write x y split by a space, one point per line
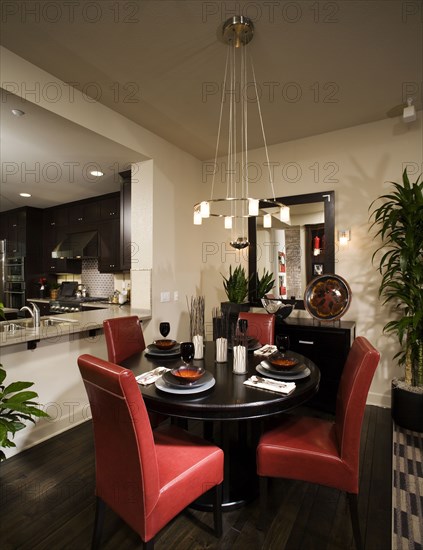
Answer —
327 345
110 207
13 229
109 246
82 213
125 221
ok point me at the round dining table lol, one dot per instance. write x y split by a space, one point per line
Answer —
233 413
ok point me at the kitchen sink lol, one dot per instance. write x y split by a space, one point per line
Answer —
29 324
11 328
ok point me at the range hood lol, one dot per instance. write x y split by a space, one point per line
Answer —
77 245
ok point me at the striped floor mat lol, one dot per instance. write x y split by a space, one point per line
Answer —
407 496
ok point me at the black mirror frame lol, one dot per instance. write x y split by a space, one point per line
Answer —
328 198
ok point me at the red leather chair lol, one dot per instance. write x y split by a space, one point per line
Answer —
146 477
260 326
323 451
124 337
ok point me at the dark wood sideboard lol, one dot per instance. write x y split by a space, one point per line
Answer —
327 344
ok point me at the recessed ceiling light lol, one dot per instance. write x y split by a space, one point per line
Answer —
25 194
18 112
96 173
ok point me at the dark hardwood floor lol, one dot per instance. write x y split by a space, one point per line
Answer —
47 502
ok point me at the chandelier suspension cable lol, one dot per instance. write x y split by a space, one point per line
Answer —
263 132
220 126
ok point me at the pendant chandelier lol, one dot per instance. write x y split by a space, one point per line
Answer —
238 204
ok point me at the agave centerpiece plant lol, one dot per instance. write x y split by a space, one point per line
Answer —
264 284
399 220
236 285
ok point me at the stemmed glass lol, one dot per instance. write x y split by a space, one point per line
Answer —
164 329
282 343
187 352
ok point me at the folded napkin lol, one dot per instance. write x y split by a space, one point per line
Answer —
147 378
266 350
273 385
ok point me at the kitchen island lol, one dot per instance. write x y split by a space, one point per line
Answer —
48 357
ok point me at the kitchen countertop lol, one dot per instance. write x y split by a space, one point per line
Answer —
83 321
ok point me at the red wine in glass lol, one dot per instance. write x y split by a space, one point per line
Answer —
187 352
164 329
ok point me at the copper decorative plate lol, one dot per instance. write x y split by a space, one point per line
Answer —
327 297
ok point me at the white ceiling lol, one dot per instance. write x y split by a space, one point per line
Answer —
321 66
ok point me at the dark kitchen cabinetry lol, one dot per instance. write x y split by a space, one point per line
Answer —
22 229
53 234
125 220
109 246
82 213
327 345
110 207
13 229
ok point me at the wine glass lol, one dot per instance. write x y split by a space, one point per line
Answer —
187 352
164 329
282 343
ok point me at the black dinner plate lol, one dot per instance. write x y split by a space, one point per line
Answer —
284 375
155 351
174 382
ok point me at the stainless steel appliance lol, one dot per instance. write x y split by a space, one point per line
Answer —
68 301
12 279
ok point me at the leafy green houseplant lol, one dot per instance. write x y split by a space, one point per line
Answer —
399 220
17 406
236 285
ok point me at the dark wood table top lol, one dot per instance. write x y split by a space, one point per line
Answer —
229 399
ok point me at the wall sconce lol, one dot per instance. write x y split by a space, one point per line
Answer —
344 235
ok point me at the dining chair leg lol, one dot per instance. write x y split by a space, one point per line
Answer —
353 502
100 508
148 545
217 510
263 503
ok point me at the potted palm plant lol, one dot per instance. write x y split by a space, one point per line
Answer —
399 220
17 406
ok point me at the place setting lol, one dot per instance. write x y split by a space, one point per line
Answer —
279 370
165 348
184 379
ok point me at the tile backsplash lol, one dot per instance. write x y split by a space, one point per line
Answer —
98 284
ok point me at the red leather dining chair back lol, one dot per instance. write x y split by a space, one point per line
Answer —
126 465
146 477
260 326
124 338
324 451
353 389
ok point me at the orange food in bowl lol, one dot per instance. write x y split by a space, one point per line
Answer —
188 375
282 362
165 344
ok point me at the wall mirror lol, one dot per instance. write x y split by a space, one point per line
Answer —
294 252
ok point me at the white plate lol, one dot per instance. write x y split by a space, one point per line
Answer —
161 385
283 376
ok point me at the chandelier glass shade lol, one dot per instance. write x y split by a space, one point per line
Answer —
238 205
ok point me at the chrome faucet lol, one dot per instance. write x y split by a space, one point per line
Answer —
34 312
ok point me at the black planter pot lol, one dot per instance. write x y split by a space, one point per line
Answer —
232 310
407 408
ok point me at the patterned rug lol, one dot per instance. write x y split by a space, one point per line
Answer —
407 495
